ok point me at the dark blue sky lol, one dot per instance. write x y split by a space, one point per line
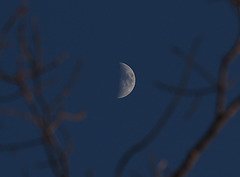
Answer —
141 34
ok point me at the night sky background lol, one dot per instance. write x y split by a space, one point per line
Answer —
141 34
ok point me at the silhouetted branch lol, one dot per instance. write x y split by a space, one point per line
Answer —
10 23
222 116
65 92
165 116
27 78
5 77
65 116
215 128
200 69
39 87
223 76
156 170
54 63
67 138
21 114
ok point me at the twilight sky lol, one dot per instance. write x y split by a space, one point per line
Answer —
140 33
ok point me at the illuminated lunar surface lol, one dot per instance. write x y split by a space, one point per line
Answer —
127 80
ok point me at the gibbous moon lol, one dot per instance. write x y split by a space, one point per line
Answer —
127 80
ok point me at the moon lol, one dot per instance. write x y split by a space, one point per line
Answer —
127 80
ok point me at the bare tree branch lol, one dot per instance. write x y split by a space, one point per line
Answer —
65 92
208 137
31 87
200 69
222 116
10 23
223 76
25 115
164 118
